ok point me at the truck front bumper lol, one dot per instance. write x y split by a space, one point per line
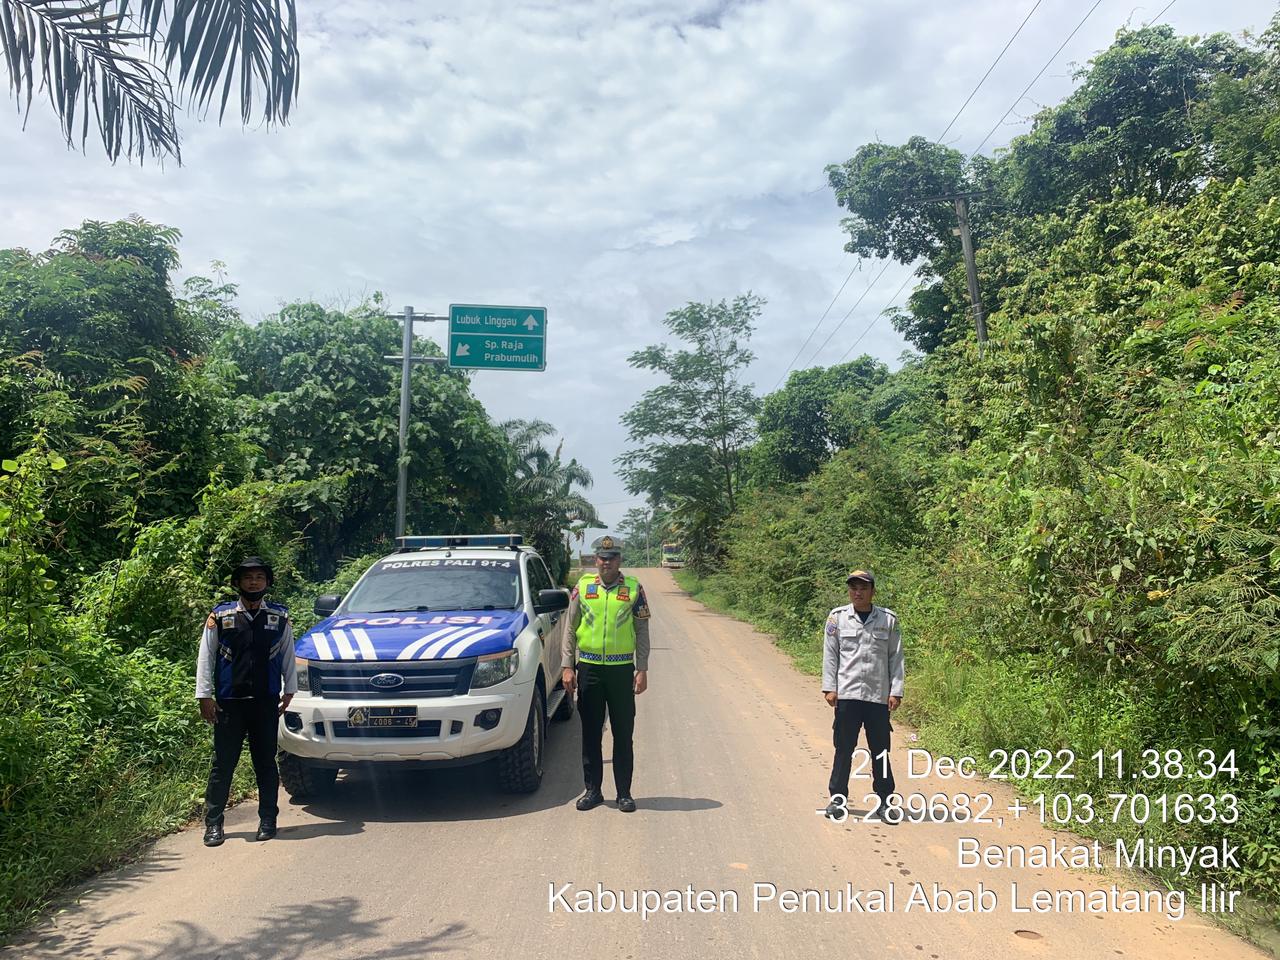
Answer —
448 728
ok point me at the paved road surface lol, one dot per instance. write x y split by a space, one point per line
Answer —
732 758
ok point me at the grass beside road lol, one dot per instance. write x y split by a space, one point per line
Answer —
970 706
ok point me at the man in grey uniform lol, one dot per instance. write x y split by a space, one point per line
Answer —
862 673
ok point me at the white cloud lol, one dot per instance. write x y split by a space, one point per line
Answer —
611 161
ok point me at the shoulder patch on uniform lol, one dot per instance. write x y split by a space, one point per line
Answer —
210 623
641 608
573 594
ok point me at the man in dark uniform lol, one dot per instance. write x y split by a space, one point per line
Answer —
607 634
245 677
862 677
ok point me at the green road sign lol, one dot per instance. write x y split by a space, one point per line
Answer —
497 338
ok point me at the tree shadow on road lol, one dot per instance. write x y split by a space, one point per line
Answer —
53 929
325 928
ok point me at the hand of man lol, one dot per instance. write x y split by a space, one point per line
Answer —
284 703
570 680
894 703
641 682
831 697
208 710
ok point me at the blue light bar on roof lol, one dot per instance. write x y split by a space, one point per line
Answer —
511 540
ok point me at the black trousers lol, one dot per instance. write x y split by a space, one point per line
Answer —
851 717
607 688
237 719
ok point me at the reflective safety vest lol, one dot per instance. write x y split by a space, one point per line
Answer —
607 631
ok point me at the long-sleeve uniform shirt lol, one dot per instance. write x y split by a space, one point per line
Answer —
640 617
206 665
862 661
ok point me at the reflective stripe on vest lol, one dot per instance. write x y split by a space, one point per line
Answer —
607 632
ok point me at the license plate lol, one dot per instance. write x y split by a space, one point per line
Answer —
382 716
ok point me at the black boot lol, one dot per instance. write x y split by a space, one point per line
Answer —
592 798
266 830
213 835
626 804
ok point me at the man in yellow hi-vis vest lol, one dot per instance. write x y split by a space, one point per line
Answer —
607 634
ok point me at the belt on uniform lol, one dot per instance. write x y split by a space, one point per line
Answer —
585 656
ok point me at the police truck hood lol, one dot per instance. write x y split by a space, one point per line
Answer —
443 635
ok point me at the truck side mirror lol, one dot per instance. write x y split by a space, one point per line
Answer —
326 604
550 601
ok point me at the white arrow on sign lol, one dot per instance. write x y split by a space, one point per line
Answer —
464 350
530 324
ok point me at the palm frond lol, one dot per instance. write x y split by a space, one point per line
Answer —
85 65
218 45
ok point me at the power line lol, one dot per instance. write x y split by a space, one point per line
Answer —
818 324
836 328
994 62
1061 46
867 329
1028 87
856 265
1161 13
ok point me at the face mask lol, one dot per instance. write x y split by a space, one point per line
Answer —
253 595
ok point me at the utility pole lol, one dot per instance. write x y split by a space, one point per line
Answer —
970 267
407 359
961 201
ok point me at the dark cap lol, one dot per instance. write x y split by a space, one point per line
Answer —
860 575
607 546
253 563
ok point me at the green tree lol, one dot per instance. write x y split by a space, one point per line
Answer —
643 531
892 194
1128 127
693 430
1152 114
316 399
818 412
131 66
543 501
103 356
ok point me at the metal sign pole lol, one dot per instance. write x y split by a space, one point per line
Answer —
402 476
407 359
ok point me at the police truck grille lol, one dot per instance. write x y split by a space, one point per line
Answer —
425 728
351 681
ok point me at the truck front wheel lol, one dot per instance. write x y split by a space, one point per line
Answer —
303 780
520 766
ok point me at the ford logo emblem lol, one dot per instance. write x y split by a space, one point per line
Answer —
386 681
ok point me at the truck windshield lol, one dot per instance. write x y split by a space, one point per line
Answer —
437 584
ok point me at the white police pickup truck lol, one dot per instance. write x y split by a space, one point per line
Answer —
446 652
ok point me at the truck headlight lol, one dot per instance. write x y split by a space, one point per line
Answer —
304 675
495 668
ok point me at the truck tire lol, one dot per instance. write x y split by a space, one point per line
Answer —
565 709
302 780
520 766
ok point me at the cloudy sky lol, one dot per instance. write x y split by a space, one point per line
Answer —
610 161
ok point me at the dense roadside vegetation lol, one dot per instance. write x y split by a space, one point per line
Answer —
149 437
1078 526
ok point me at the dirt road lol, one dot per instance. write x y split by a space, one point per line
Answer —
732 749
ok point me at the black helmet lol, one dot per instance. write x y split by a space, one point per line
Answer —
252 563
